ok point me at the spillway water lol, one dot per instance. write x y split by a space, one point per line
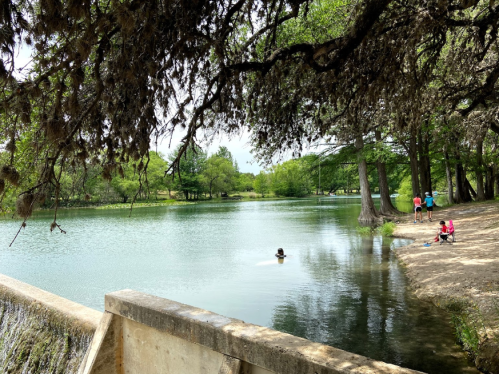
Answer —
36 341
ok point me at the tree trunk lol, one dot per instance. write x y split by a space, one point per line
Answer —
470 189
386 206
462 194
496 179
413 157
458 195
469 192
448 171
480 192
424 163
368 212
489 183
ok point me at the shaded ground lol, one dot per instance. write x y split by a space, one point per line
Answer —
462 278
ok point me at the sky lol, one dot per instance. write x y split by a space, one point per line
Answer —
237 145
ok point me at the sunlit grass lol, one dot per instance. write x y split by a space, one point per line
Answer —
366 230
144 204
387 229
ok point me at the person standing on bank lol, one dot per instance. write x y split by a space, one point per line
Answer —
429 201
418 209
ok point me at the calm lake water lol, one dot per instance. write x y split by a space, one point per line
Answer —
334 287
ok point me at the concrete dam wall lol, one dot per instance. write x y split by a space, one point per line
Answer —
41 333
143 334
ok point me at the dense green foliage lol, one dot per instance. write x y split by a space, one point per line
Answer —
290 179
262 183
81 187
405 190
397 88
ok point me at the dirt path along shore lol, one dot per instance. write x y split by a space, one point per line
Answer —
462 277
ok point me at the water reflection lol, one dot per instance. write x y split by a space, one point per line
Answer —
361 305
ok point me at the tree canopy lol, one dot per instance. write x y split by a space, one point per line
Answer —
109 78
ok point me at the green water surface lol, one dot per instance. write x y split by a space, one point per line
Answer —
334 286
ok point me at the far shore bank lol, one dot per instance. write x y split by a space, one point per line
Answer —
128 205
164 202
463 277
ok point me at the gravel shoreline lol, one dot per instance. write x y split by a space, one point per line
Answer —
463 277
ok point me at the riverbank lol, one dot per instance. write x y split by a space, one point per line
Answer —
90 205
462 278
9 210
164 201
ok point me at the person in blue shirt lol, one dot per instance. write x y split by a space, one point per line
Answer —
429 201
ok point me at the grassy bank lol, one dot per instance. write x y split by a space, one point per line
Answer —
386 229
162 200
147 204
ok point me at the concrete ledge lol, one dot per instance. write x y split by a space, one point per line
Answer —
263 347
84 318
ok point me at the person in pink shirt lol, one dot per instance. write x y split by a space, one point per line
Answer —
418 209
444 233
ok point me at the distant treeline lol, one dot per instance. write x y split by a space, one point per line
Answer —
204 176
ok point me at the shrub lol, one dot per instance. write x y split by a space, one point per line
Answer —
365 230
387 229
